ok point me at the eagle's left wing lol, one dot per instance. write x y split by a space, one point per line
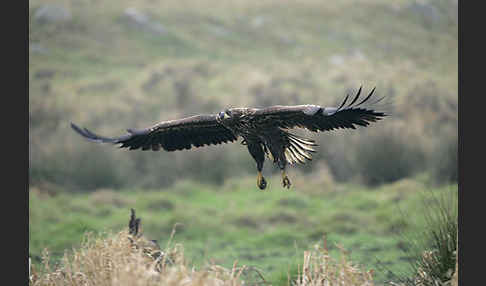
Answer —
316 118
185 133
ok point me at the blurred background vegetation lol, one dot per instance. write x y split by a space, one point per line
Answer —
111 65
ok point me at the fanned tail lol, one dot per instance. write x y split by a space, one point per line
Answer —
299 149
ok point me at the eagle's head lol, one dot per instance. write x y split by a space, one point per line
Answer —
231 114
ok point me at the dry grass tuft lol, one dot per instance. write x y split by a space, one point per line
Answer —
424 277
122 259
319 268
127 258
455 277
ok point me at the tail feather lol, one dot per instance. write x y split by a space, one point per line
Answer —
292 157
309 142
299 149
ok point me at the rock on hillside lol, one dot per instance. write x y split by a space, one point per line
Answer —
52 13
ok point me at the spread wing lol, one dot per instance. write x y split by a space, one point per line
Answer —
316 118
170 135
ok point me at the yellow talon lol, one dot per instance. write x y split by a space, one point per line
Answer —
285 180
261 182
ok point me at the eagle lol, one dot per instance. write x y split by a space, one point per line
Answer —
264 131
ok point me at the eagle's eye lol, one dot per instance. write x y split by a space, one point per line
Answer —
224 115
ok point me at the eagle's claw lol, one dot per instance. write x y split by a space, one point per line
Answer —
262 183
286 182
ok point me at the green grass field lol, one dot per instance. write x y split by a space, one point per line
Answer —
236 222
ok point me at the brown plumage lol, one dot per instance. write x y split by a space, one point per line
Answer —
264 131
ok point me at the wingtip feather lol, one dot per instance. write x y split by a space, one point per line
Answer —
356 98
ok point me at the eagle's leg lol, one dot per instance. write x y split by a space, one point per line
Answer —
285 180
258 154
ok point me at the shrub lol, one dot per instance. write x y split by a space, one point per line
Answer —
74 169
435 248
445 162
387 155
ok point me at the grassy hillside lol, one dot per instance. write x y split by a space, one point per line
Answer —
102 69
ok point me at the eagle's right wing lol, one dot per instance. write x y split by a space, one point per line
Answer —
317 118
169 135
